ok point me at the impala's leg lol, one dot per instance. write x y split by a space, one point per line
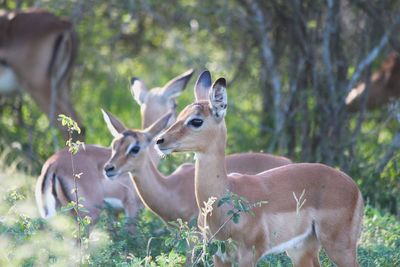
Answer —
342 249
219 263
132 205
94 214
64 106
305 257
316 262
248 256
131 210
342 257
340 241
307 254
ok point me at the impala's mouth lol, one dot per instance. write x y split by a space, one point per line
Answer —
164 151
111 175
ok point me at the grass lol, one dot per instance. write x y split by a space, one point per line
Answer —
28 240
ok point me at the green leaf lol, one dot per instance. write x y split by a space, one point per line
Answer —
236 218
182 245
212 248
222 247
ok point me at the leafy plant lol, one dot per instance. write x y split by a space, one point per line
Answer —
77 206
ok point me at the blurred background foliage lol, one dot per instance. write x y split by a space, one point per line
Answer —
289 64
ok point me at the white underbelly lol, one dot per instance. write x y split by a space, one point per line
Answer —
8 80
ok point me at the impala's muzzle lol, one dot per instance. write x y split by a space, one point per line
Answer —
110 171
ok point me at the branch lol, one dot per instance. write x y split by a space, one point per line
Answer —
326 51
394 146
269 61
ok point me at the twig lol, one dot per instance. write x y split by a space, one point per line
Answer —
394 146
326 55
299 201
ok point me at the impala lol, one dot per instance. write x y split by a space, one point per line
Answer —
53 188
37 52
331 205
384 86
170 197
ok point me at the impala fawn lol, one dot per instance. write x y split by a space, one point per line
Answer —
54 185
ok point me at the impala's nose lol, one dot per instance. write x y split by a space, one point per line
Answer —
160 141
109 169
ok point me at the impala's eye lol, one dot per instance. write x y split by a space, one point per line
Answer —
134 150
196 123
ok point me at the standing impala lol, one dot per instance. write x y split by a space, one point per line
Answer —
328 213
53 188
170 197
37 52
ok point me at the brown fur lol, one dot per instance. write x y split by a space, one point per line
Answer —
384 86
172 197
92 185
330 217
40 39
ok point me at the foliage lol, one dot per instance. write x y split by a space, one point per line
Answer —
75 205
156 41
238 205
27 240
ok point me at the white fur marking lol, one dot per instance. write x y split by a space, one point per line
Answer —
47 203
162 153
129 148
114 202
8 80
139 92
293 243
110 126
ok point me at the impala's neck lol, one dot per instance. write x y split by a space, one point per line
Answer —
153 189
211 178
153 154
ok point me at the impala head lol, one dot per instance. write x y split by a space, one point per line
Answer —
199 124
157 102
129 147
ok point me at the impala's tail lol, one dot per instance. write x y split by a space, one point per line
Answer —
49 193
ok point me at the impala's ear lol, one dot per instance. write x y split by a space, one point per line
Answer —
175 87
218 99
156 128
114 125
138 90
202 86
